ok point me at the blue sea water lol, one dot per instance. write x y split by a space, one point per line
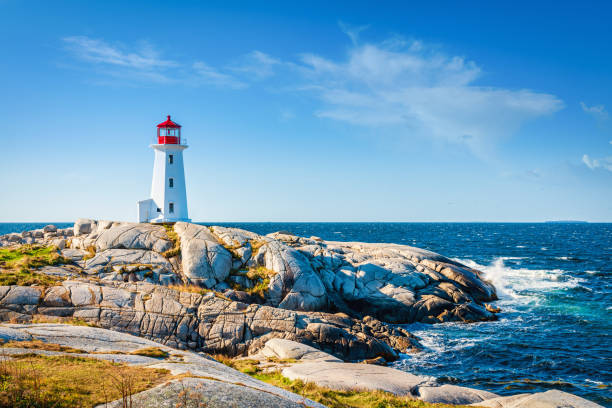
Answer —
555 287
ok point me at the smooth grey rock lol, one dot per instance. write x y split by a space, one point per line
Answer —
548 399
349 376
288 349
133 236
21 295
453 394
104 261
9 334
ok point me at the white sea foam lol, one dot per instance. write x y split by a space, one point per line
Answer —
522 284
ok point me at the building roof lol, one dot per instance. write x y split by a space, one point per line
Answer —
168 124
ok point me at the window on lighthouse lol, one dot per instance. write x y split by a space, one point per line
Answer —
171 159
171 208
171 182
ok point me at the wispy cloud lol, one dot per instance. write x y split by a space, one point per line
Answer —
411 88
593 164
256 64
419 91
210 75
597 111
101 52
352 31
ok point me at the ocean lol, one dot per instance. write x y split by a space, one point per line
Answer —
554 281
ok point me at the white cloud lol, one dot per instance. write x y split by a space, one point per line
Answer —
407 86
209 75
597 111
352 31
257 64
101 52
593 164
419 91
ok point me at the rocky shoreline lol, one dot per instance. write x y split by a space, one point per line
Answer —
228 291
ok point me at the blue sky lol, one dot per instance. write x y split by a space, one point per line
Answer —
324 111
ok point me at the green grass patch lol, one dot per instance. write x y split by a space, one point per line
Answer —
37 381
260 277
26 277
16 265
30 256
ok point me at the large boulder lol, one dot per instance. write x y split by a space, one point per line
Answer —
205 261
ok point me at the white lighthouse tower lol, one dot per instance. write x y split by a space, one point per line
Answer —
168 202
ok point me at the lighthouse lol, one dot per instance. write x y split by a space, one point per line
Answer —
168 202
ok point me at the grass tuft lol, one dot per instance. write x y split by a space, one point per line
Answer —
154 352
173 236
91 252
259 275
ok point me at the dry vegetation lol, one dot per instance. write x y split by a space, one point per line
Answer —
91 252
176 247
197 289
154 352
74 321
37 381
41 345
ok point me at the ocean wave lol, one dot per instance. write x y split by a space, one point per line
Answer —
523 284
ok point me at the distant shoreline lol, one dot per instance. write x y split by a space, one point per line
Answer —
566 222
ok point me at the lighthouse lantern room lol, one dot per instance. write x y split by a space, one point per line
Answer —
168 202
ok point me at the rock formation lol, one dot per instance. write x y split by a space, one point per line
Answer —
394 283
338 295
205 322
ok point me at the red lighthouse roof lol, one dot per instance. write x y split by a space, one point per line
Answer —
168 124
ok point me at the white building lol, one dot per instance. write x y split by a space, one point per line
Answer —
168 202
